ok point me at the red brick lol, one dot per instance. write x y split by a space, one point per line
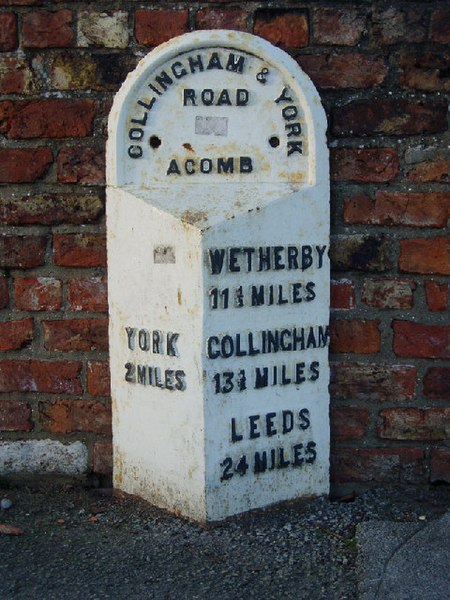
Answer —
284 28
79 164
8 32
38 293
338 27
440 29
15 415
395 25
14 335
68 416
440 465
380 465
24 165
375 165
98 378
436 383
51 118
425 255
342 294
388 293
421 341
15 76
22 251
4 292
348 423
20 2
79 249
430 171
389 117
47 376
414 424
368 253
74 335
370 382
51 209
338 71
437 295
46 29
425 71
153 27
430 209
218 18
103 457
352 336
88 293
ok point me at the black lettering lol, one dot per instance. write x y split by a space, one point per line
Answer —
293 129
224 98
172 339
245 164
304 419
320 252
214 62
261 377
324 336
178 70
283 97
169 379
289 112
285 346
164 80
235 63
207 97
235 437
298 458
157 342
144 340
227 346
314 368
180 378
260 462
311 342
257 295
292 255
131 335
206 165
278 263
254 433
288 421
270 429
310 289
296 298
225 165
173 168
142 121
311 451
136 134
216 258
306 257
226 465
135 152
189 97
213 353
294 146
189 166
142 374
147 106
195 63
282 462
233 265
241 97
299 369
130 374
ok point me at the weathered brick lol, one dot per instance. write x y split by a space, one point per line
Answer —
68 416
425 255
368 253
79 249
51 118
98 378
380 465
87 293
342 294
338 71
47 376
440 465
8 32
104 30
14 335
348 422
37 293
355 336
376 165
388 293
437 295
15 415
80 164
51 209
436 383
395 25
24 165
22 251
153 27
425 424
389 117
425 71
284 28
4 293
334 26
15 76
409 209
103 457
88 71
370 382
74 335
416 340
44 29
430 171
440 30
218 18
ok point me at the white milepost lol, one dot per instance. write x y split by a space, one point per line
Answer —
218 233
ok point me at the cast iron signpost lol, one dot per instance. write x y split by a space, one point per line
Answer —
218 225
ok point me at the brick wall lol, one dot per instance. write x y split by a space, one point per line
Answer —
382 70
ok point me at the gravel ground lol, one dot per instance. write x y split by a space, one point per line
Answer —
85 543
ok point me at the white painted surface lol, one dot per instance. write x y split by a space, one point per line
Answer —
43 457
264 191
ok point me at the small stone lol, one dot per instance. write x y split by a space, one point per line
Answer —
5 503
